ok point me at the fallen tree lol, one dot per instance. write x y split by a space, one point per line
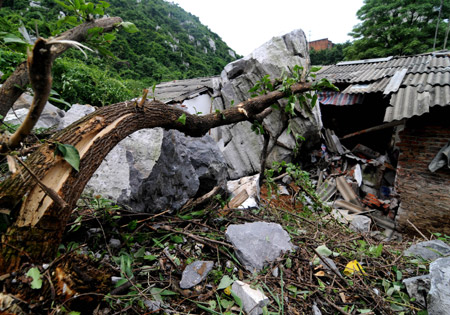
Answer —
43 192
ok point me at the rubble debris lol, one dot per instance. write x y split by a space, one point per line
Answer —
365 152
195 273
429 250
326 190
360 224
244 191
347 192
258 243
252 300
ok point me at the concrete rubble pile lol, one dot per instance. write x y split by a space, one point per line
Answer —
356 182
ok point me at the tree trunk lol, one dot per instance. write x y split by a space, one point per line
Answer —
16 84
39 221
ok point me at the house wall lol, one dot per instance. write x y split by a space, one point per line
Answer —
425 196
320 44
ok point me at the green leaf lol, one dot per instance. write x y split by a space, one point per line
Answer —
226 303
13 39
177 239
315 69
314 100
182 119
36 275
324 251
150 257
225 282
129 27
70 154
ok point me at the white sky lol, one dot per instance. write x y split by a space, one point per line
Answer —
246 24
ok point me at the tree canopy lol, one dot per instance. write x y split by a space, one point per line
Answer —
398 27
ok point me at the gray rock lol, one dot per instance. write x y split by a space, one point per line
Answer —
153 170
50 117
429 250
259 243
252 300
316 310
153 306
114 243
241 146
195 273
127 165
330 263
187 167
360 223
439 294
418 288
75 112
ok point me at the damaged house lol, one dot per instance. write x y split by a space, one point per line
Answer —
398 108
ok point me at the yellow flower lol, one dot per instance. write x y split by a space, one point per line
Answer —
227 290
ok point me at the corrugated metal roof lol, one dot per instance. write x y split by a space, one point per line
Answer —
415 83
409 102
374 87
179 90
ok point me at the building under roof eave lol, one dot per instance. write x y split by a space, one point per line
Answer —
414 84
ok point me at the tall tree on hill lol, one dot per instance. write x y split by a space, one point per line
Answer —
398 27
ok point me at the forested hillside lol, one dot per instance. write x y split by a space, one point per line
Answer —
170 44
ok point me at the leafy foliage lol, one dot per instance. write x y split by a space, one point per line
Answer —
158 42
84 84
400 27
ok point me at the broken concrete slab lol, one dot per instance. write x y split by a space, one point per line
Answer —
195 273
429 250
252 300
439 294
258 243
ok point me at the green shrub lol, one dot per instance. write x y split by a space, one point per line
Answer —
78 83
9 60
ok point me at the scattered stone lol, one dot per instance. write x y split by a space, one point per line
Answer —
258 243
331 264
316 310
153 306
429 250
252 300
418 288
439 294
360 223
114 243
195 273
